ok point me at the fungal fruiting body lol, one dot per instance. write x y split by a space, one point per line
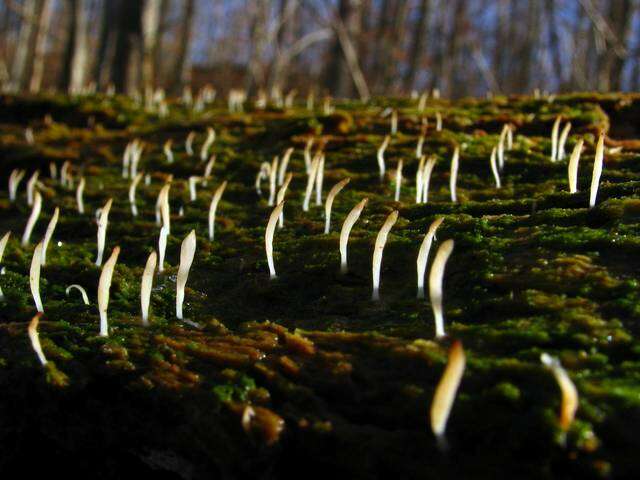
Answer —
273 173
494 168
187 252
264 172
396 197
419 174
501 141
32 330
33 218
313 172
14 181
419 146
574 160
329 202
167 150
126 160
283 165
438 122
280 197
79 195
193 181
164 207
207 170
446 390
394 122
349 221
423 254
435 284
132 193
380 155
554 139
378 249
597 171
319 180
104 285
453 178
426 178
3 245
211 137
34 276
31 185
563 140
162 247
49 233
188 144
569 403
80 288
213 207
145 286
103 221
268 237
307 155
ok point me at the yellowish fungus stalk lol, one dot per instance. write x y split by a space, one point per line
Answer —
162 247
572 172
422 101
80 195
164 207
145 286
426 178
213 207
80 288
104 285
435 284
207 170
188 144
34 276
3 245
319 180
597 171
280 197
554 139
335 190
446 391
347 225
501 142
103 222
31 185
394 122
569 403
315 164
307 154
264 172
32 330
419 146
453 177
14 181
135 157
49 233
283 165
419 175
132 193
33 218
509 137
187 252
380 155
211 137
167 150
563 140
64 173
423 254
494 168
378 249
193 181
273 175
268 237
438 122
396 197
126 160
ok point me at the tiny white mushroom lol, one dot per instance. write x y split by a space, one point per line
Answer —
378 249
213 207
501 142
188 144
32 330
283 165
207 170
380 155
132 193
419 175
563 140
569 403
423 254
103 222
419 146
80 288
394 122
319 180
572 172
268 237
426 178
315 164
494 168
104 285
453 177
329 202
79 195
307 154
396 197
49 233
597 171
145 286
273 175
34 276
31 185
211 137
162 247
349 221
435 284
3 245
167 150
33 218
193 181
438 122
187 252
264 172
280 197
14 181
126 159
554 139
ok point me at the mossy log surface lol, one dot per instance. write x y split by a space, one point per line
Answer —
339 385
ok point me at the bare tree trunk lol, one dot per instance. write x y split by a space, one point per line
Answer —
125 70
418 44
620 15
455 41
554 41
158 53
106 44
527 50
75 57
42 29
182 68
338 76
150 26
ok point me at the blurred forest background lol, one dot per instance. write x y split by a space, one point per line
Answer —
343 48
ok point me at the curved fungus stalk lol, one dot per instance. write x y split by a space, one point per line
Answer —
435 284
453 177
211 137
273 175
319 180
419 175
268 237
213 208
187 252
126 159
49 233
3 245
80 195
563 140
32 331
572 171
104 285
569 403
349 222
509 137
494 168
283 165
132 193
315 164
501 142
162 247
188 144
103 222
64 173
396 196
31 185
280 197
597 171
426 178
33 218
554 139
207 170
394 122
264 172
380 155
438 122
145 286
162 206
193 181
446 391
419 146
14 181
328 204
80 288
34 276
378 249
138 147
423 254
167 150
307 155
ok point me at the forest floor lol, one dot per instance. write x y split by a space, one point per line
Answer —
339 384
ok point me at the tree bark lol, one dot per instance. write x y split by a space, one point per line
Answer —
418 44
39 45
150 27
338 78
182 68
127 58
75 57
